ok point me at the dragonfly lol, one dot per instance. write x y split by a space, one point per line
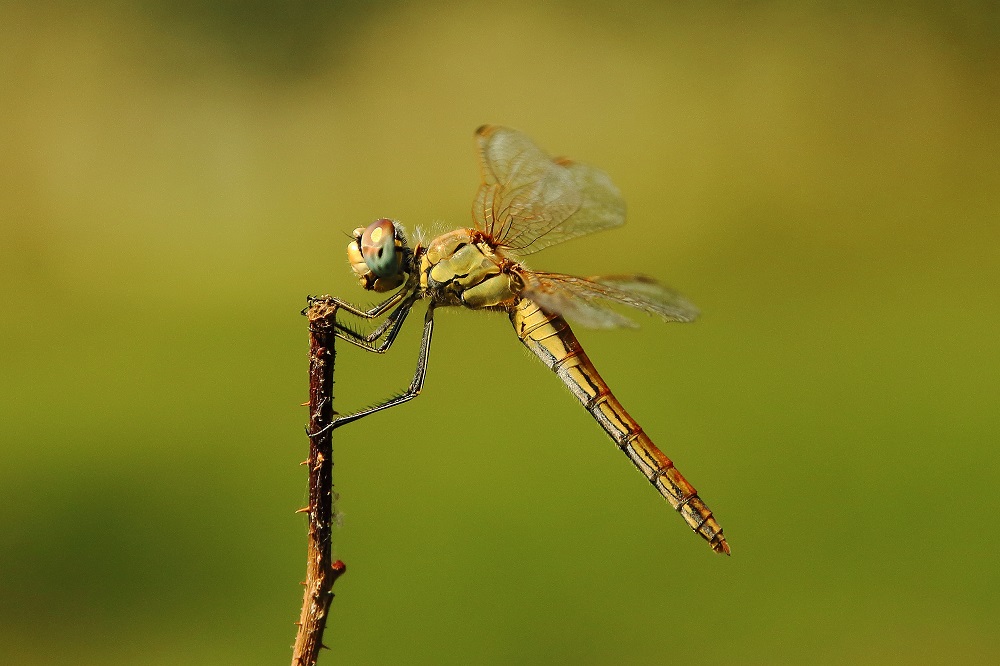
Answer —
527 201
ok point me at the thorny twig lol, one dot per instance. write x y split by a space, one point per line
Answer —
321 573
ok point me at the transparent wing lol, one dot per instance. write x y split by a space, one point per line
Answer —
528 201
587 301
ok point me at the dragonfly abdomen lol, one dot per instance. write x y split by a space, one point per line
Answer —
550 338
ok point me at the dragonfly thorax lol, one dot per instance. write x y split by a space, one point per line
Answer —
462 268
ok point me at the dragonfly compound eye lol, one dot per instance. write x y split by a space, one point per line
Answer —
378 247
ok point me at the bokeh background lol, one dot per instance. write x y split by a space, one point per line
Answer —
820 178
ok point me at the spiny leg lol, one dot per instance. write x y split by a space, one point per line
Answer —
375 311
410 393
393 323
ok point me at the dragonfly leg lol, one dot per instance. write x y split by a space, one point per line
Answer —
392 323
372 313
410 393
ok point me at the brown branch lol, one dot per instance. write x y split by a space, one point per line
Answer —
320 572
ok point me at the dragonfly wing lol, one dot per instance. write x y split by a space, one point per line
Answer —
569 300
644 293
529 201
587 301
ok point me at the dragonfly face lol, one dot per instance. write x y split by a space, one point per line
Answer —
527 201
379 255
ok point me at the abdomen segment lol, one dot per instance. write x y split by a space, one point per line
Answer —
552 340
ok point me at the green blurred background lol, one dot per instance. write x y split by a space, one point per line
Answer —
820 178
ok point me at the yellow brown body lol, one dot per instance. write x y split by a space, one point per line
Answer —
527 201
550 338
461 268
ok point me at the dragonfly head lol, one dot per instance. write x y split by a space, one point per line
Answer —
379 255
